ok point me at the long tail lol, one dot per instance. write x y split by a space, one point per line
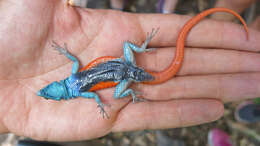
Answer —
174 67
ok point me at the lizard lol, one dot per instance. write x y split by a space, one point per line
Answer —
109 71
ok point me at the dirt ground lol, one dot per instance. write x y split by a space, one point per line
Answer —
241 134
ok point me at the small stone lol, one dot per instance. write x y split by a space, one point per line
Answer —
125 141
118 135
150 137
244 142
184 132
140 141
109 143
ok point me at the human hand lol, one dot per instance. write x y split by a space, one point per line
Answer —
220 65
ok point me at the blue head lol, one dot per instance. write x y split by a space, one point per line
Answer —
55 91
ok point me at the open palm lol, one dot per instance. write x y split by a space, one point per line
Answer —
28 63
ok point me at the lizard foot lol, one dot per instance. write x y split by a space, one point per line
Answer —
150 49
149 37
137 99
60 49
102 110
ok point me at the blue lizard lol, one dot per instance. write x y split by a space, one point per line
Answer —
122 71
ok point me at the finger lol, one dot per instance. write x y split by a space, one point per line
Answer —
167 114
208 33
202 61
226 87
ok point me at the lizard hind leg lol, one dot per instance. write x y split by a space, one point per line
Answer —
148 39
122 91
64 51
131 92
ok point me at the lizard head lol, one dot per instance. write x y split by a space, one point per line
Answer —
54 91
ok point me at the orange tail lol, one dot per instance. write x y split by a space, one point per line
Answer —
174 67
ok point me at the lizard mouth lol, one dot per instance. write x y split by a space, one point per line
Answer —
148 77
39 93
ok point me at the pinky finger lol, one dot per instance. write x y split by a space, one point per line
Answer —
168 114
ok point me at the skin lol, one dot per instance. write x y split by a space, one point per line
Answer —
221 66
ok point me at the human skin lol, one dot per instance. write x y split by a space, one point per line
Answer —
220 65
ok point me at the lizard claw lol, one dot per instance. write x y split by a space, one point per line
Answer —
137 99
150 49
149 37
102 110
152 34
60 49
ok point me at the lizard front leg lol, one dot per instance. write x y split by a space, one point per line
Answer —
65 52
96 97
